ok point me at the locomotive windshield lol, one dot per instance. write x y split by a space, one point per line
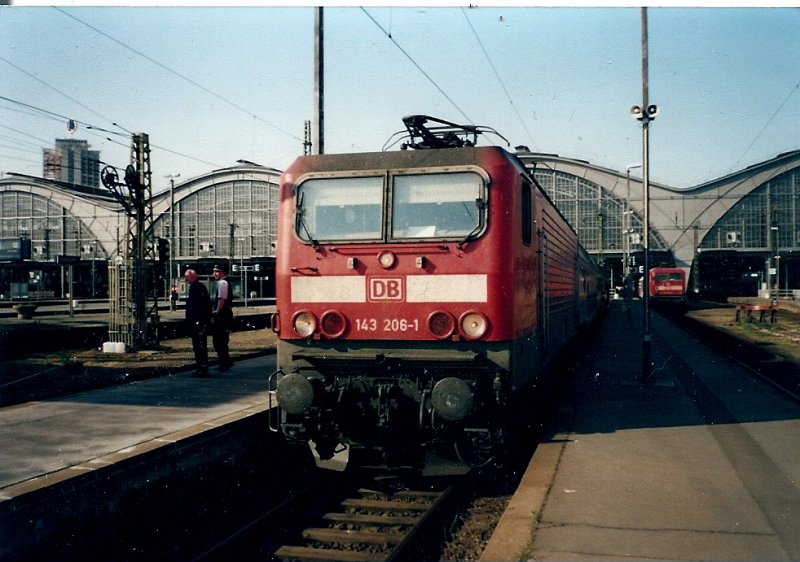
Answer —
441 206
437 205
340 209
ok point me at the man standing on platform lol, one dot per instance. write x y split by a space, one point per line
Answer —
222 318
198 316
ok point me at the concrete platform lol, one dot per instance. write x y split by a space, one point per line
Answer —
94 460
703 463
39 439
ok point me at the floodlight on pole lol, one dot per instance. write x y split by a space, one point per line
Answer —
172 273
645 113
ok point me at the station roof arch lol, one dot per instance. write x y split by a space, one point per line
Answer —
682 220
236 205
680 217
69 217
60 213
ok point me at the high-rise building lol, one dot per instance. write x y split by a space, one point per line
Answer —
71 161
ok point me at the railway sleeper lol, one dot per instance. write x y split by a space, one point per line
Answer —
384 525
348 535
366 519
385 505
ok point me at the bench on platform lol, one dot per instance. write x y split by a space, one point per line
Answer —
762 310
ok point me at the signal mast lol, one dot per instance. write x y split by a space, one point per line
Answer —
134 312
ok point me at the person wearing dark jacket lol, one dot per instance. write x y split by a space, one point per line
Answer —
198 317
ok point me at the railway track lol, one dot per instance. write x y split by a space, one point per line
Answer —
781 373
369 526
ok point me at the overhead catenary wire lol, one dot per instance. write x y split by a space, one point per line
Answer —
94 129
20 159
178 74
86 107
22 110
30 150
22 145
55 116
46 112
769 121
187 156
499 79
24 134
58 117
411 59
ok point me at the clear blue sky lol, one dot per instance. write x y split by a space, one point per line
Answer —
213 85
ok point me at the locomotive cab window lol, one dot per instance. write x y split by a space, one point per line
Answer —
340 209
447 205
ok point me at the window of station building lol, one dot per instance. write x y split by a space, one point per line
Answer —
205 228
204 219
223 198
242 197
50 227
751 218
585 206
754 222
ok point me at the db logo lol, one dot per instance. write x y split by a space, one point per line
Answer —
386 289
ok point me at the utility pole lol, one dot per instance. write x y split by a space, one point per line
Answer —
645 114
318 136
232 243
172 275
775 259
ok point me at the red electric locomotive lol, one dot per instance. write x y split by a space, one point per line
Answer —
668 288
417 292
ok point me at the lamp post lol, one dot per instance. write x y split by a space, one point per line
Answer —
242 272
94 271
172 273
626 222
645 113
775 289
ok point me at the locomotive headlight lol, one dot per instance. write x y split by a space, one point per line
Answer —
441 324
474 325
452 399
386 259
295 393
333 324
304 323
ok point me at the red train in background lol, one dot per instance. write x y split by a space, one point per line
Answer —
667 287
419 292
